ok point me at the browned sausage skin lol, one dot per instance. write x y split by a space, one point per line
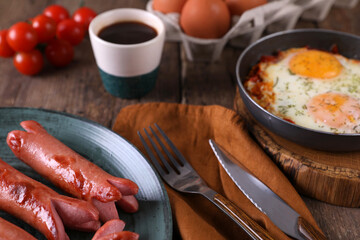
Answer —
42 207
70 171
113 230
9 231
124 235
110 227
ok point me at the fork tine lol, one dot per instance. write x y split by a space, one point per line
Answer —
172 159
152 156
161 156
176 151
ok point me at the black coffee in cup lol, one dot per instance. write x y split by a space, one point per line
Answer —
130 32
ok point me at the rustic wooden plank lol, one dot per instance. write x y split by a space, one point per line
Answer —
206 83
167 87
343 19
338 223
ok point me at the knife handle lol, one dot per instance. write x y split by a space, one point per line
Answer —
241 218
308 231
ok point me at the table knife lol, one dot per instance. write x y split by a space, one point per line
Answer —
279 212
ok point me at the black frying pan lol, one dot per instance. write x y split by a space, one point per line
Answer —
348 45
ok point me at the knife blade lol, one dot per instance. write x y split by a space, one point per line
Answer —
279 212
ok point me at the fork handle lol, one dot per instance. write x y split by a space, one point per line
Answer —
251 227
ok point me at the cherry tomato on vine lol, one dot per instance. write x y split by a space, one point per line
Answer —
84 15
45 28
70 31
22 37
29 63
5 49
56 12
59 52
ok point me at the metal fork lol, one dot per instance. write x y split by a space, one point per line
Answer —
182 177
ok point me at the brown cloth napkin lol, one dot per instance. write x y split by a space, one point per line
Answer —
190 127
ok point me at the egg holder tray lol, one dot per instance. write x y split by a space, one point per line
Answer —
276 15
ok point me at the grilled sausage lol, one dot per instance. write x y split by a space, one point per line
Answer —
124 235
110 227
71 172
42 207
9 231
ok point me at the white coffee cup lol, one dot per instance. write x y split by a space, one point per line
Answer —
127 70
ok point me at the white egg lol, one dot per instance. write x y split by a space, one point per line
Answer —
311 88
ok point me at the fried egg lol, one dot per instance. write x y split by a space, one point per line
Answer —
312 88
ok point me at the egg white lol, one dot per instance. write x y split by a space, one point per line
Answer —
292 92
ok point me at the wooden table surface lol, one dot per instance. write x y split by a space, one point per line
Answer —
77 89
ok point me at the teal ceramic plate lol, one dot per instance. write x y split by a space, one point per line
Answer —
106 149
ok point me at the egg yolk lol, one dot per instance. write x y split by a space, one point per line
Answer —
315 64
335 110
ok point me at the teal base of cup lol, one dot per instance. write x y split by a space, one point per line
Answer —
129 87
